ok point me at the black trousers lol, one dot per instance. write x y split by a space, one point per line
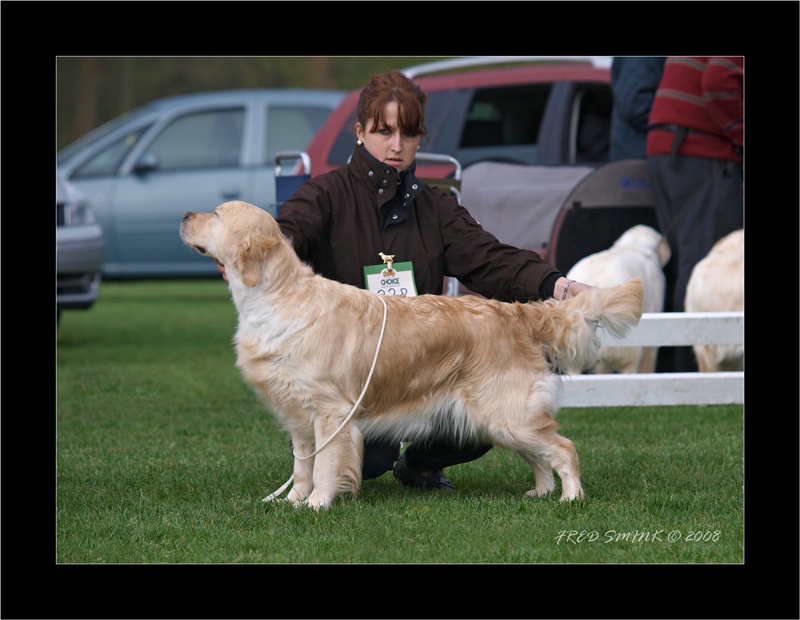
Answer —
380 455
697 201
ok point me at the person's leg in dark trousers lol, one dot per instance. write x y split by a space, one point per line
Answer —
698 201
661 184
379 457
423 461
438 454
421 464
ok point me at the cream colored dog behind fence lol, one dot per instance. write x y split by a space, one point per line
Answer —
717 285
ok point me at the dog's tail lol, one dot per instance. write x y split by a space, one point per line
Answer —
572 335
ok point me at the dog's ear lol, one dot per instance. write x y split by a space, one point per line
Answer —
252 254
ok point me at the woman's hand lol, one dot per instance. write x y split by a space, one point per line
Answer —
572 287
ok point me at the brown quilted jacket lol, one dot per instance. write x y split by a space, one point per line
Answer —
339 221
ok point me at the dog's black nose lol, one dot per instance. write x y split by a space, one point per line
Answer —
187 215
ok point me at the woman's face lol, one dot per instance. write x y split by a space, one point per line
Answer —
388 144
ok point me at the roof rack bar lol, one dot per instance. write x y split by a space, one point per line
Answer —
478 61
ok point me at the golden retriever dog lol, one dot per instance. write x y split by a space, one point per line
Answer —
640 252
717 285
336 363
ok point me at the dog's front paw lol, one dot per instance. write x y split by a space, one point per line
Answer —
537 492
319 500
573 496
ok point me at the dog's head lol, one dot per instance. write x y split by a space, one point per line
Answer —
236 234
646 239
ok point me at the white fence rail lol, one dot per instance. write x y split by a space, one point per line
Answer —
680 388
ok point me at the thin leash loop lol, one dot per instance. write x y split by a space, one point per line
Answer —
277 493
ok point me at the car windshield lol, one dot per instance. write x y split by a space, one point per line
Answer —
74 149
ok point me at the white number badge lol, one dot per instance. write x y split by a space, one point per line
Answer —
391 278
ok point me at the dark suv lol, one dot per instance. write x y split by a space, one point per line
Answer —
549 111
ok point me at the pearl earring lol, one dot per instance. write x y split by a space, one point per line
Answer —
359 142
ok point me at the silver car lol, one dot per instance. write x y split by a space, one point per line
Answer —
143 170
79 249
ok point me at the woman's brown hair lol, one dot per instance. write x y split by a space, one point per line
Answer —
393 86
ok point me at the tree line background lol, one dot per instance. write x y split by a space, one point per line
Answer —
91 90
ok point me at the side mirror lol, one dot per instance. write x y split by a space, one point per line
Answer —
147 163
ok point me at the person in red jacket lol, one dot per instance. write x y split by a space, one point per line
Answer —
341 221
695 149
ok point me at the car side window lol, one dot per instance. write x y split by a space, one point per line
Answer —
200 140
593 127
502 124
106 162
289 126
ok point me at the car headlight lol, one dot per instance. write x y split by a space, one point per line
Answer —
72 207
78 213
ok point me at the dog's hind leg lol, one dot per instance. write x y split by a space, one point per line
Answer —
529 428
566 464
545 450
550 452
337 466
542 473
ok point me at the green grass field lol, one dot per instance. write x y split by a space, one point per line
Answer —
164 454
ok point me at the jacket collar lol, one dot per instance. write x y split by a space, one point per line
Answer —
382 179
